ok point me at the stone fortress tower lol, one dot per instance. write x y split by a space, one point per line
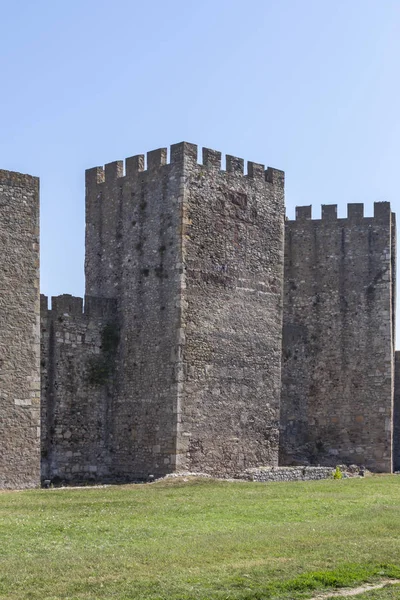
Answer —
175 363
214 335
19 331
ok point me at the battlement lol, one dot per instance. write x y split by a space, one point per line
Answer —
355 212
62 305
13 178
66 304
44 303
181 153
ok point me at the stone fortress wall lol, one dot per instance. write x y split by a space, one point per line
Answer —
231 314
338 338
77 376
19 331
177 361
396 415
133 244
181 248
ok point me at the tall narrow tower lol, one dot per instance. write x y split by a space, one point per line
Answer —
193 254
19 331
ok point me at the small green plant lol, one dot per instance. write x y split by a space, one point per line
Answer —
337 473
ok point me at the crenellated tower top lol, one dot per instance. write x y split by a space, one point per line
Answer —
124 192
182 154
355 211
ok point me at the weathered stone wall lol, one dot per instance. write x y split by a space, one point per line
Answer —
396 415
300 473
175 363
19 331
231 322
133 249
188 260
78 352
338 338
145 246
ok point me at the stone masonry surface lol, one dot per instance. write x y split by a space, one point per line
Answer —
133 241
396 415
300 473
338 338
77 370
194 256
231 315
19 331
214 337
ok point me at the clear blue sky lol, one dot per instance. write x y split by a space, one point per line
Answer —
308 86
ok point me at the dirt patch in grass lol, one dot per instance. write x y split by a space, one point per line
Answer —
361 589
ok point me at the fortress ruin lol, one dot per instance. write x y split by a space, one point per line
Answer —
215 335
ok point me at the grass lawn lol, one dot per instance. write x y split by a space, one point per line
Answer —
200 539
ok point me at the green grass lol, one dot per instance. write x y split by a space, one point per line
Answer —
200 540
